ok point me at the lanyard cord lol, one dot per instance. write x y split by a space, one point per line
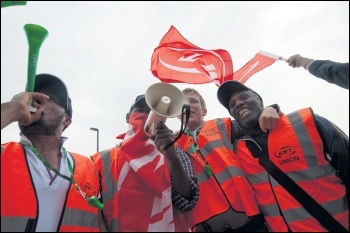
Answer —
93 201
193 140
47 164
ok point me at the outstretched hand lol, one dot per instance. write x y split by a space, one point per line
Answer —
297 60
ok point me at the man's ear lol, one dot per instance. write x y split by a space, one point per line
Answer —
127 117
67 121
205 111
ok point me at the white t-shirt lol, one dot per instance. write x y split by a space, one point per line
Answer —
51 198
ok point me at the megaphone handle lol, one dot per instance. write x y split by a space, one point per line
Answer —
182 129
30 107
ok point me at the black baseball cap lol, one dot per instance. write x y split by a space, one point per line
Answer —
52 85
230 87
140 100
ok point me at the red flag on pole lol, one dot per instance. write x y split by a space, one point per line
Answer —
176 60
260 61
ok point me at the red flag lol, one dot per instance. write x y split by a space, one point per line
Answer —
144 183
260 61
176 60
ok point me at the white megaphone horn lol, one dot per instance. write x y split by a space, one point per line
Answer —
165 101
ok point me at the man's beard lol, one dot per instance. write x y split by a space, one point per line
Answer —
42 127
251 124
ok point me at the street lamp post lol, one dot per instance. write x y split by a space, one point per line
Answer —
97 131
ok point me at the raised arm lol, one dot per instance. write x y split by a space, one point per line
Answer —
333 72
17 108
184 182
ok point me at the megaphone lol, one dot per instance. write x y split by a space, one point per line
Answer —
165 101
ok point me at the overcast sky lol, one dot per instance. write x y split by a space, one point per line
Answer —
102 50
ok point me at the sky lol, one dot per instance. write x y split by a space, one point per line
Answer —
102 51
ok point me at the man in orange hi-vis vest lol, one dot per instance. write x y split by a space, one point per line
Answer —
142 189
45 188
226 201
299 171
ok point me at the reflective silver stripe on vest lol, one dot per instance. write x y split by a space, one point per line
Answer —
311 173
205 151
107 194
110 184
114 225
13 224
257 178
303 138
270 210
202 177
296 214
307 174
222 128
76 217
227 173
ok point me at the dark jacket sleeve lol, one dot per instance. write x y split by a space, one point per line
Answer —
336 147
332 72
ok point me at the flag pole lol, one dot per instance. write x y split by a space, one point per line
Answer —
276 57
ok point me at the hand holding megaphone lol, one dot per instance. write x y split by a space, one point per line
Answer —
162 137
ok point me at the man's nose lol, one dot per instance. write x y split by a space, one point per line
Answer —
239 104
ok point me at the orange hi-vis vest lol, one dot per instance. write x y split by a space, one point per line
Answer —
227 187
19 205
296 148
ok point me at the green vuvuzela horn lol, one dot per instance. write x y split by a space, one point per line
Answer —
12 3
36 35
